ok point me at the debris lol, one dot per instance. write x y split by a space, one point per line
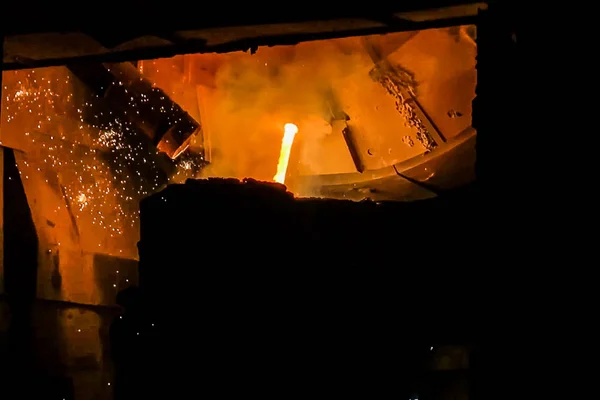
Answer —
396 82
454 114
407 140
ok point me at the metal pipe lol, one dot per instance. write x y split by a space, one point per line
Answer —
349 139
337 114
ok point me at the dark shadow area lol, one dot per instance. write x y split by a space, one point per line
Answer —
217 16
167 22
268 294
23 359
244 290
20 262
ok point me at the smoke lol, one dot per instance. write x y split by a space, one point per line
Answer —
256 95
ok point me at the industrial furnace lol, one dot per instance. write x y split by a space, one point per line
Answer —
378 111
380 117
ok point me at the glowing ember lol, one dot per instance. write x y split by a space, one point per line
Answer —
111 139
187 165
290 131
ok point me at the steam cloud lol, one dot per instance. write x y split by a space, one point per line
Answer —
256 95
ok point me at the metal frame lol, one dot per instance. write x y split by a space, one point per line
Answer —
199 46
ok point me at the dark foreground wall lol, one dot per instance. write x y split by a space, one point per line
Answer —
236 238
261 292
66 356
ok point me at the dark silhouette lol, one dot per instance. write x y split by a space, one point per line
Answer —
274 296
20 270
289 345
127 348
20 262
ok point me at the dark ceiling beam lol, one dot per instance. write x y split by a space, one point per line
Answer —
122 17
198 46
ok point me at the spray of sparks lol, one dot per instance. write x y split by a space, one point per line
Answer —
102 173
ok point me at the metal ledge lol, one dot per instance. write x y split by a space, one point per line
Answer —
393 170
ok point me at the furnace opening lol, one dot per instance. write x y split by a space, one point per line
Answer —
383 117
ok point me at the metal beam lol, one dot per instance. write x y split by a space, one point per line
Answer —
61 16
200 46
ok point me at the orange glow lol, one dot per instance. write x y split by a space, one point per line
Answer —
354 110
290 131
353 99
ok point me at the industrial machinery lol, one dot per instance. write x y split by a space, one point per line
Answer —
381 102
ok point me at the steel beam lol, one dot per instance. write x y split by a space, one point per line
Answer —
61 16
200 46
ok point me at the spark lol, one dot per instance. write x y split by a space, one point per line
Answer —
101 168
82 200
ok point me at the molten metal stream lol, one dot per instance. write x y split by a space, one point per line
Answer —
290 131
